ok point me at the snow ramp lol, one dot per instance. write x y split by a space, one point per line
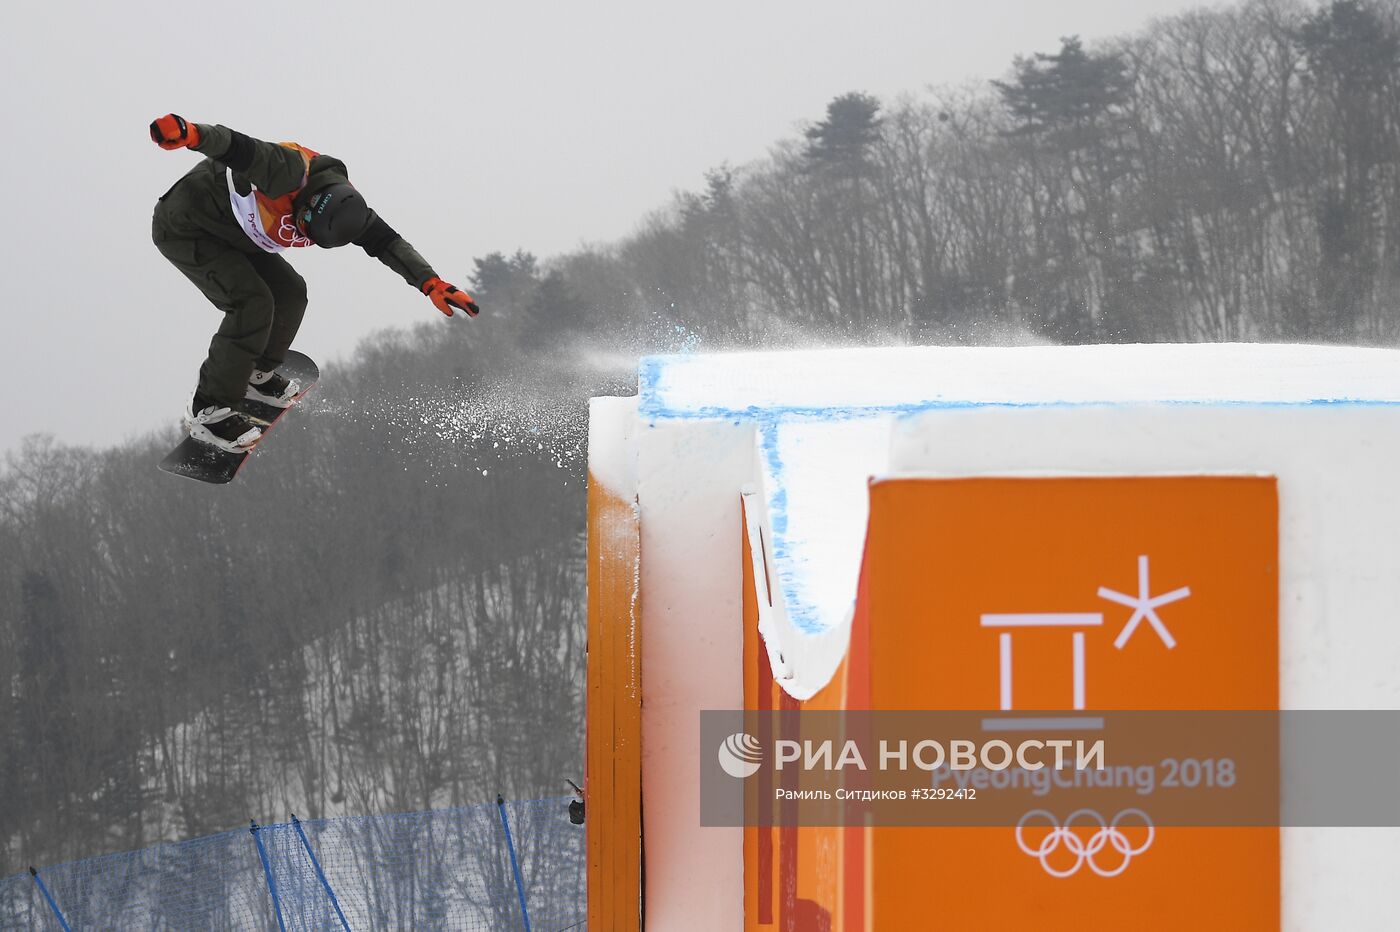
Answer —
935 528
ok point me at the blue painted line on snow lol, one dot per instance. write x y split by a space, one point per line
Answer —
651 407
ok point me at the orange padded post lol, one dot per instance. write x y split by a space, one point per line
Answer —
613 792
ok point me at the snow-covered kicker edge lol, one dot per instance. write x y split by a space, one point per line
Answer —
909 379
612 447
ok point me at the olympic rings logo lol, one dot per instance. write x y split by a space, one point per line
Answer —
288 233
1107 835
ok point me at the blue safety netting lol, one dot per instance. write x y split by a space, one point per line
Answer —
446 869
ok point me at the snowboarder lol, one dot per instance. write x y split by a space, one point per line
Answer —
223 225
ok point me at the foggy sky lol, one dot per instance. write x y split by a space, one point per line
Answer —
470 127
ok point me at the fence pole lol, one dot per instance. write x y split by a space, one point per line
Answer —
48 896
267 872
296 823
514 864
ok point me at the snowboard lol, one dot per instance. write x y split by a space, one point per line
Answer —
195 459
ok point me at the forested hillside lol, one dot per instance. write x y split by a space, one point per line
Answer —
1222 175
385 612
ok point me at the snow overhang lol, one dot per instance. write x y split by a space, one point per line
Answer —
823 422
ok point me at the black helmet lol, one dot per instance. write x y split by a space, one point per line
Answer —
333 216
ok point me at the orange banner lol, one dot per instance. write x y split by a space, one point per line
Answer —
1073 596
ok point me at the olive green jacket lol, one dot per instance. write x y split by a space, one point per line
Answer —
199 205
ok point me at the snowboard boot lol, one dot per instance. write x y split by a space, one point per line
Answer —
272 389
220 426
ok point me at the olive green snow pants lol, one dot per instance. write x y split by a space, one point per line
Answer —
262 297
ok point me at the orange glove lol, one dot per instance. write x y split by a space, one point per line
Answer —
448 297
172 132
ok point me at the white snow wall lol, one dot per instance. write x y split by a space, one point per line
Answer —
1324 420
689 476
